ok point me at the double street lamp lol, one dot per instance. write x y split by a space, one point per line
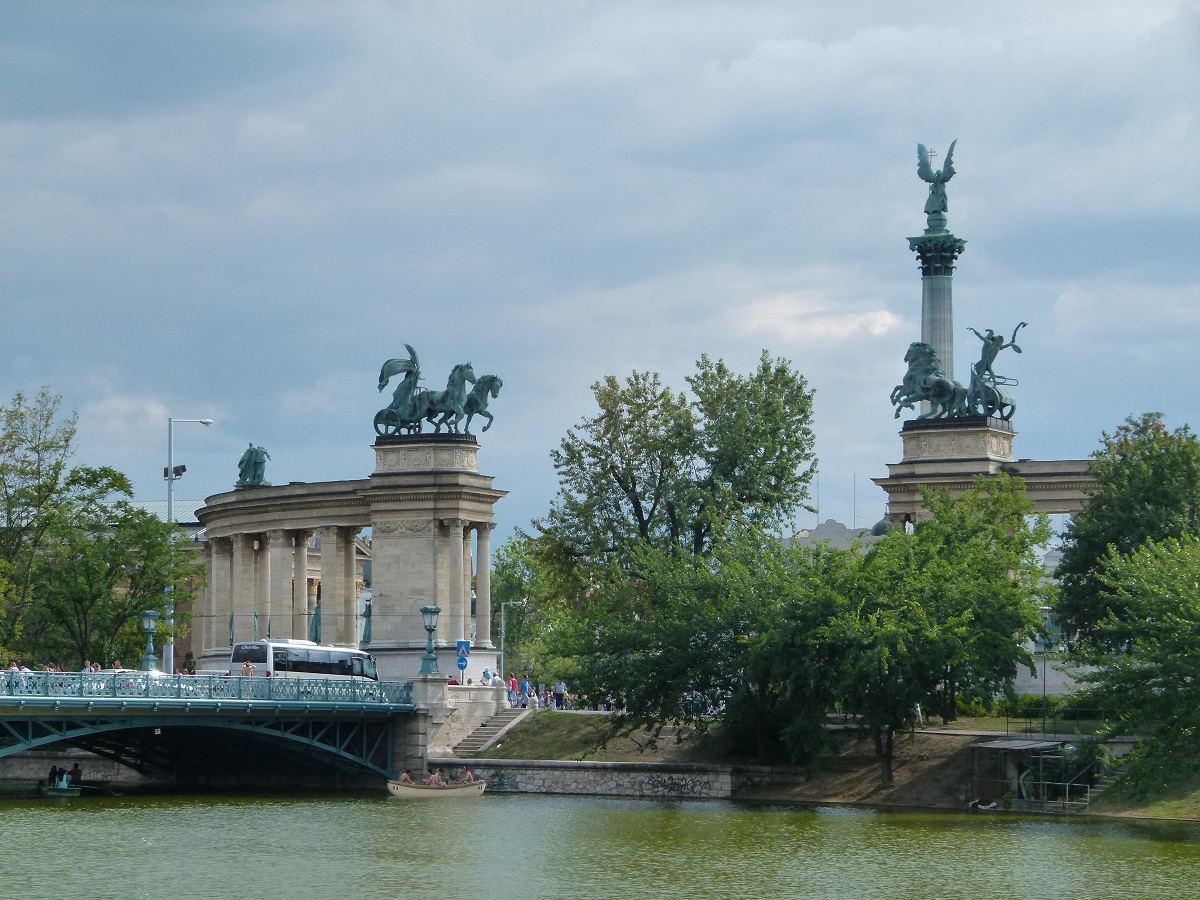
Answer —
171 473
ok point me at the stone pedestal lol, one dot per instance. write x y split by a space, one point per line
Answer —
425 496
950 453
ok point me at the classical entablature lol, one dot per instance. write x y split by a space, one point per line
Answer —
423 504
950 453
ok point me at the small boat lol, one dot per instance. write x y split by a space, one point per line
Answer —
429 791
59 790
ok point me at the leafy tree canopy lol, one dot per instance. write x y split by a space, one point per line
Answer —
1151 684
1147 489
654 467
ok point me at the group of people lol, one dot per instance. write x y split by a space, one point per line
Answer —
62 778
89 667
523 695
437 778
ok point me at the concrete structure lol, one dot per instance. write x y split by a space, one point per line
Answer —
426 506
950 453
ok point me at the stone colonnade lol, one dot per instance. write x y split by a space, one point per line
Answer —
252 588
430 516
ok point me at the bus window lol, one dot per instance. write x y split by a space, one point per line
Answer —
252 653
340 664
318 662
369 668
297 661
281 660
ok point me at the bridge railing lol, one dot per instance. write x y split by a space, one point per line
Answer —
153 685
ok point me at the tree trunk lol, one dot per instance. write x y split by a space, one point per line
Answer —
883 750
950 710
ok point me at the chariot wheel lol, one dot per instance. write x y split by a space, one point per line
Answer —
387 422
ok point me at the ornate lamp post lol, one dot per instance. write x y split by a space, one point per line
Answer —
429 614
171 473
149 622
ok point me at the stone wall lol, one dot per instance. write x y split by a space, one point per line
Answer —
652 780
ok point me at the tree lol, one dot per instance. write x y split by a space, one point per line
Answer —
93 579
944 610
38 491
654 468
1151 685
1147 489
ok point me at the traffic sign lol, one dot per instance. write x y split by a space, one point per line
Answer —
462 663
464 648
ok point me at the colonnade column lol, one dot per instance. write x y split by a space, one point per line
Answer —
279 595
483 584
242 598
333 587
261 613
217 628
454 613
350 580
300 585
466 581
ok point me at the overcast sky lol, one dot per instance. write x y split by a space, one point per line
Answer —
240 210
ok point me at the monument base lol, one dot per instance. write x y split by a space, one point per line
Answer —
949 454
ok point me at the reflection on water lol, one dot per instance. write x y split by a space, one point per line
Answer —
498 847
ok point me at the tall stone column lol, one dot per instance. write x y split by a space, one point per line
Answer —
217 630
483 584
466 581
350 580
937 250
243 586
333 586
300 585
262 589
279 595
454 615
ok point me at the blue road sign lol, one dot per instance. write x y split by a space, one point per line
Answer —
462 663
464 648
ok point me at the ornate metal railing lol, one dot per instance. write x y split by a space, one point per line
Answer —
158 686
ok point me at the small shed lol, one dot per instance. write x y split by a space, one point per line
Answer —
1023 773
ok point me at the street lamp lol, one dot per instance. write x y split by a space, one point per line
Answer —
1045 642
149 623
429 614
171 473
503 606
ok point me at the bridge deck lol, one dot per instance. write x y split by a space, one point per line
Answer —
128 690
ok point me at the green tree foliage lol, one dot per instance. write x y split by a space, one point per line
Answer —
696 639
1147 489
94 578
945 610
1150 685
655 468
39 492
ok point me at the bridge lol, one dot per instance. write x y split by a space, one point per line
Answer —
194 730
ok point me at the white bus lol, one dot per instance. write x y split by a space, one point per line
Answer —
302 659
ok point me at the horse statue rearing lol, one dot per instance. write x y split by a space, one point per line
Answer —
925 380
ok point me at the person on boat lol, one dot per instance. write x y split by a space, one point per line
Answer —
405 777
467 777
55 774
435 779
76 774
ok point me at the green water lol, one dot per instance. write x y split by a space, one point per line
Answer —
541 847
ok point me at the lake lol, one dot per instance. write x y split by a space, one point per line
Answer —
535 846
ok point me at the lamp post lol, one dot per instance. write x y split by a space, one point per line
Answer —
149 623
1044 641
429 614
171 474
503 606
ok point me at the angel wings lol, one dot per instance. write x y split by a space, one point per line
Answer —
937 180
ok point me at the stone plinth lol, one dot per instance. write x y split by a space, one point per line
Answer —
426 498
950 453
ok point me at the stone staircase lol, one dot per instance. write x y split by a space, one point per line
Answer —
489 732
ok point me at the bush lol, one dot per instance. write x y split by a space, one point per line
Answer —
975 707
1028 706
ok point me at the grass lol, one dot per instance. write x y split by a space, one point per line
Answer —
575 736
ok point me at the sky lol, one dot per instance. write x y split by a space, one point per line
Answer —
239 210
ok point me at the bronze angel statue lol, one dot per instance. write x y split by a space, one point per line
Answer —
937 180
